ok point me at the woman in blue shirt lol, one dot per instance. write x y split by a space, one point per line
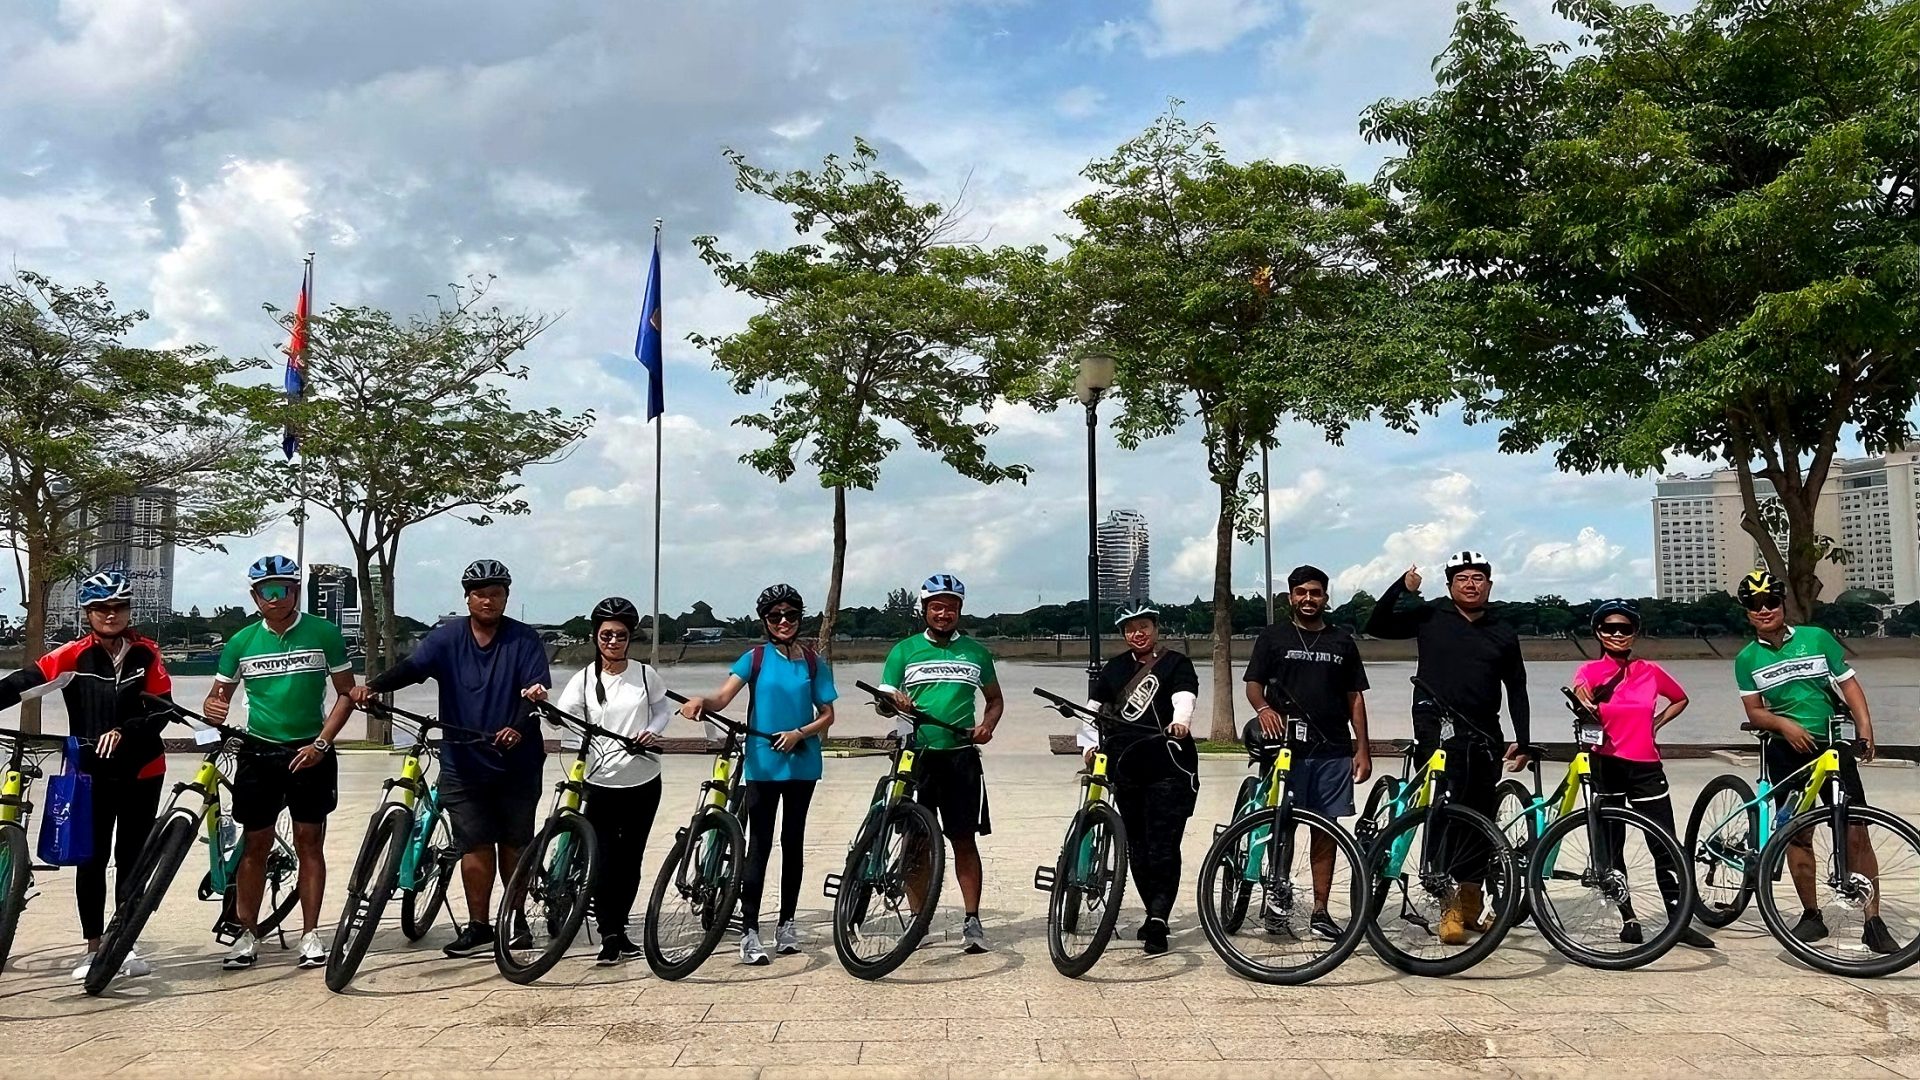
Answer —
792 700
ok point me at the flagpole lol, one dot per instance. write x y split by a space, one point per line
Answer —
300 521
1266 524
659 424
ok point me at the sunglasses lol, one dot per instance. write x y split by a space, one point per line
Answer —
1765 603
109 609
783 615
1616 629
611 636
275 591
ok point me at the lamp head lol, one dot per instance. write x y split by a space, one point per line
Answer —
1095 378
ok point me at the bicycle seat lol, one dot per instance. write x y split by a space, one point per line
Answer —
1404 746
1755 729
1534 751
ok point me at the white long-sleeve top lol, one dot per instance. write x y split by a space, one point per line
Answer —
636 702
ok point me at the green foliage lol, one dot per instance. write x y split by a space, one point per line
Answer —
1701 235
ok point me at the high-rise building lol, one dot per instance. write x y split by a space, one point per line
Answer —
1868 506
330 591
1124 571
131 534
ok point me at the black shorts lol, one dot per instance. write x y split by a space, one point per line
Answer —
1782 760
953 786
492 810
263 786
1637 781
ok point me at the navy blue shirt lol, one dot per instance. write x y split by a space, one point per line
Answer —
479 689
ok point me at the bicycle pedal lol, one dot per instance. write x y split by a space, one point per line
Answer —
226 933
831 888
1043 877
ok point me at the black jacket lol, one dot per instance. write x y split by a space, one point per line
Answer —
100 700
1465 661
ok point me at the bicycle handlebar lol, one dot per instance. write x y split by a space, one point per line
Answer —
425 723
722 719
235 740
884 704
588 729
1066 707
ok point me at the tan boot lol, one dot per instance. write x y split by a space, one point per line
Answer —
1474 916
1453 925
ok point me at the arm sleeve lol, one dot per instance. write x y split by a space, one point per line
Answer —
660 707
1260 664
533 669
1183 703
406 673
824 692
1515 679
228 668
894 671
1086 737
1743 676
1387 621
19 683
1357 670
336 652
988 674
160 685
573 697
1836 657
1183 678
1666 685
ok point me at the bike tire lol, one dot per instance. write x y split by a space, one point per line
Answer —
553 887
1703 862
1522 829
1773 861
370 886
1232 901
1227 856
1547 914
1066 904
16 872
283 877
434 870
852 907
153 875
716 894
1374 818
1502 892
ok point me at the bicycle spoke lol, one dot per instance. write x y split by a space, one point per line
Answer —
1880 880
1297 913
1608 893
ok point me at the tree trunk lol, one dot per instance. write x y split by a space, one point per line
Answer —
372 643
1799 565
33 637
1223 728
830 611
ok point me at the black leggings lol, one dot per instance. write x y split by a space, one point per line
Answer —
763 799
1642 786
1155 815
125 807
621 818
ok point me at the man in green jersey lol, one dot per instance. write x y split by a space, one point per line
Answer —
938 673
285 661
1787 678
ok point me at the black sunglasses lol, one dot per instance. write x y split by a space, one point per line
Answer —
1765 603
614 635
1616 628
783 615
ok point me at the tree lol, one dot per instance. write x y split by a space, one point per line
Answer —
880 318
408 418
87 420
900 602
1240 295
1700 236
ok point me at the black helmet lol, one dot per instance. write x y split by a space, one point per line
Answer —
1760 582
482 572
775 595
1626 608
617 608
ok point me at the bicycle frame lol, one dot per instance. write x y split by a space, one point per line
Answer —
1422 789
1820 771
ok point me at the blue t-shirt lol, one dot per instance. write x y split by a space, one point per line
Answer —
480 689
783 699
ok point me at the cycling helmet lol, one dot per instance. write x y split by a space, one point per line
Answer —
483 572
1759 582
619 609
1616 607
273 568
1468 560
105 587
1136 609
774 595
942 585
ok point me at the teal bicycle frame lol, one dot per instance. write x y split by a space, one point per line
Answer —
1818 770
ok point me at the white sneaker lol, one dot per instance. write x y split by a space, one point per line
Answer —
244 952
313 951
86 965
752 953
134 966
786 938
973 936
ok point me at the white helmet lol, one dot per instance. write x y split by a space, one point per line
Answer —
1468 560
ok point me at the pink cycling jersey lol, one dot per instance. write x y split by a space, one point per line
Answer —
1628 714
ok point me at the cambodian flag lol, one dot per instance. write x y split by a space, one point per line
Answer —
296 379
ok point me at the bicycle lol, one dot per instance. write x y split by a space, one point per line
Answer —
1256 852
175 832
407 850
1456 846
547 897
701 875
895 865
1089 879
1739 837
16 814
1599 896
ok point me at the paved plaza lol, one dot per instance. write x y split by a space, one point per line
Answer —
1741 1011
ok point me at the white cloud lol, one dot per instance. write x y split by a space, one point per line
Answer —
1182 26
1079 103
1450 498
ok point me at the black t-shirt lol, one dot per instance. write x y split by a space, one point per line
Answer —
1317 669
1150 705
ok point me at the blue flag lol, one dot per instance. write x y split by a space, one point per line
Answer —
646 347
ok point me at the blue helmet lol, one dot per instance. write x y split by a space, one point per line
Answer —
104 587
273 568
1616 607
942 585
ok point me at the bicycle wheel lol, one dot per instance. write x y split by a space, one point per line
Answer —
546 899
1615 915
877 921
1089 882
1521 827
1289 943
16 870
434 869
159 861
282 894
694 895
1722 846
369 887
1374 818
1420 877
1882 881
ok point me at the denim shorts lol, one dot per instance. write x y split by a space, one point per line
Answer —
1323 785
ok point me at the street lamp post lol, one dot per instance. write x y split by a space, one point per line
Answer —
1095 379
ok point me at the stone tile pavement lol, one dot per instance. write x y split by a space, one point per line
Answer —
1743 1010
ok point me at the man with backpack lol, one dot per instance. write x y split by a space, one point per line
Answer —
791 699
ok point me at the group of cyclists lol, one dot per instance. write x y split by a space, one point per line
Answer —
492 675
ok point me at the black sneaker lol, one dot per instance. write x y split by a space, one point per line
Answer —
520 936
609 954
1324 926
1694 939
1630 933
628 950
1876 938
1812 927
1154 933
474 939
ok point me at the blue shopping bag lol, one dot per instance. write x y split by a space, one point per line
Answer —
66 829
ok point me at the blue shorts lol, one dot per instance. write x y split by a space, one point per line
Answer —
1323 785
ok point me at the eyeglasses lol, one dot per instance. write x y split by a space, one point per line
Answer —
1616 629
1471 579
1765 602
273 591
611 636
783 615
109 609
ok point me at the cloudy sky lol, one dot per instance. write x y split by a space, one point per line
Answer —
188 152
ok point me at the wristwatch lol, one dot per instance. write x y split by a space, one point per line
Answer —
322 745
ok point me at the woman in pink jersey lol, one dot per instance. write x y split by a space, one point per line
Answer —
1628 694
